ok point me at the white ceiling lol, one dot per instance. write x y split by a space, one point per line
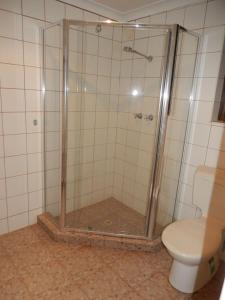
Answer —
125 10
124 5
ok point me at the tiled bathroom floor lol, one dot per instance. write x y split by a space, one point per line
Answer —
32 266
108 215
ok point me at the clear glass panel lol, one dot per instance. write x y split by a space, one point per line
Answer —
52 71
113 96
176 128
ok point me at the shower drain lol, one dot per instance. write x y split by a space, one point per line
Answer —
108 222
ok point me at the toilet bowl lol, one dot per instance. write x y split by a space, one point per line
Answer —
195 244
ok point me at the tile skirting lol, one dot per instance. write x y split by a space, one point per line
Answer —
46 221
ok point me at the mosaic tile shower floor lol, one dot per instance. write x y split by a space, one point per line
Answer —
33 266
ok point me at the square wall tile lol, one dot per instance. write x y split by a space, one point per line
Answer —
17 205
33 8
54 11
12 76
215 13
31 30
16 165
11 51
195 16
3 209
15 144
16 185
35 199
3 226
33 214
12 5
10 25
14 123
13 100
18 221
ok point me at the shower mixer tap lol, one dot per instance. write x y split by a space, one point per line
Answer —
148 117
138 116
145 117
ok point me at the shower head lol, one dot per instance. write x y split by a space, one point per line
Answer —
131 50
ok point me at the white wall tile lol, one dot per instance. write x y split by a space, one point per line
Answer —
34 142
2 168
32 54
18 221
213 39
199 134
35 200
2 189
10 25
35 181
34 8
11 140
215 13
11 51
217 138
175 17
74 13
194 16
17 205
33 215
32 30
14 123
3 226
16 185
13 100
32 78
16 165
54 11
3 209
12 5
35 162
12 76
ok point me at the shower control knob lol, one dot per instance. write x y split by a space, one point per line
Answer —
148 117
138 116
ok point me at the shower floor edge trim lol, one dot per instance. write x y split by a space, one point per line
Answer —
46 221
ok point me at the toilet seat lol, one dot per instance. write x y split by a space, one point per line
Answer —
193 241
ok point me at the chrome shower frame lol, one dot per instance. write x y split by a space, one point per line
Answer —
164 107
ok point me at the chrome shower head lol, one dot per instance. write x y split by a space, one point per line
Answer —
131 50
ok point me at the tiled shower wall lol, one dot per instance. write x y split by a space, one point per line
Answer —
139 93
205 141
21 168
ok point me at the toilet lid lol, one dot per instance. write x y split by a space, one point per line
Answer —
193 240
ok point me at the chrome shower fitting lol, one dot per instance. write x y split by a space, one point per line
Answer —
145 117
138 116
131 50
98 28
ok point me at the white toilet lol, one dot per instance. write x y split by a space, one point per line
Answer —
196 244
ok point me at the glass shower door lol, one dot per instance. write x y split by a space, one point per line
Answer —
113 92
177 128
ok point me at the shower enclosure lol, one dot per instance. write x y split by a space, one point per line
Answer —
117 98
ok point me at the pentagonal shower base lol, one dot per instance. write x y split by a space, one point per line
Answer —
109 216
92 239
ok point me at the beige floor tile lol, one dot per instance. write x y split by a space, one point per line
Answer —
104 284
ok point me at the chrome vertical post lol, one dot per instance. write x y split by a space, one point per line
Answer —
65 46
164 108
